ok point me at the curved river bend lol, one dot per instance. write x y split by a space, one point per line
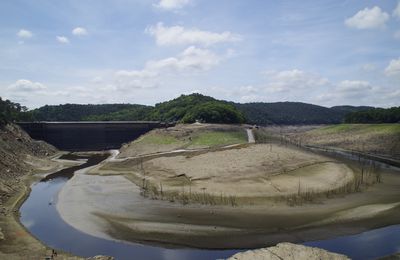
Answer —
40 217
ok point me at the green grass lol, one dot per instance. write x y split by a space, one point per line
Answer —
360 128
206 138
158 139
220 138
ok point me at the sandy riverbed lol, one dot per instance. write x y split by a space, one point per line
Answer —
111 207
261 171
106 201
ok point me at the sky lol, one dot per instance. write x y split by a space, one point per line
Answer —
324 52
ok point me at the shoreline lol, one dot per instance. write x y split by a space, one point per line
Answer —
119 227
167 218
328 149
15 230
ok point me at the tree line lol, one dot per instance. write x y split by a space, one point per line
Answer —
374 116
10 112
193 107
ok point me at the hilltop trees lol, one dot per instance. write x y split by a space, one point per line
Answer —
189 108
186 108
214 112
10 111
75 112
376 115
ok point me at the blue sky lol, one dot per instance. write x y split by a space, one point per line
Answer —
328 52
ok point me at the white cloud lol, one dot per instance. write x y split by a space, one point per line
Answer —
393 68
136 79
396 11
248 93
192 59
178 35
249 89
353 87
355 92
290 80
79 31
368 19
23 85
62 39
97 80
172 4
24 34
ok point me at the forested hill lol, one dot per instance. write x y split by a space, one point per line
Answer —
288 113
10 111
349 109
188 108
77 112
375 116
284 113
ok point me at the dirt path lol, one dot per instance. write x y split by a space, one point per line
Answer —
250 136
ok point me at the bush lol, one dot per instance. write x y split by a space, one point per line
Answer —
214 112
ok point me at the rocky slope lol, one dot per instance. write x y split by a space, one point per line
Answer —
19 155
288 251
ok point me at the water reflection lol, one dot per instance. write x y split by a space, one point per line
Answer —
367 245
40 216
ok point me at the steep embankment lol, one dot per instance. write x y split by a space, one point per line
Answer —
374 139
19 156
20 159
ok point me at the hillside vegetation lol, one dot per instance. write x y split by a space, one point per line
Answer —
189 108
296 113
77 112
375 116
10 111
184 136
186 109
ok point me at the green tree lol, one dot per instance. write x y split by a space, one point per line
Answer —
214 112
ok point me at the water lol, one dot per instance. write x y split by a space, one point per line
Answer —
40 216
367 245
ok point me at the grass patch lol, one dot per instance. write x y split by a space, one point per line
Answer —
219 138
158 139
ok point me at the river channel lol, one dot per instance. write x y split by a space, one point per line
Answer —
40 216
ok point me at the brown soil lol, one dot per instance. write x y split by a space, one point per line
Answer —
262 171
21 159
380 140
244 214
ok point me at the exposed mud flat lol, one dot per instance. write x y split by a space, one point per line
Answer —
183 187
111 207
262 171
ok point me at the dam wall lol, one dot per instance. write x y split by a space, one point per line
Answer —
88 136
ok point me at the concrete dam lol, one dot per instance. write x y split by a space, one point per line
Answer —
89 136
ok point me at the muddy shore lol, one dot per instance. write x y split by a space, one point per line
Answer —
18 243
109 202
111 207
